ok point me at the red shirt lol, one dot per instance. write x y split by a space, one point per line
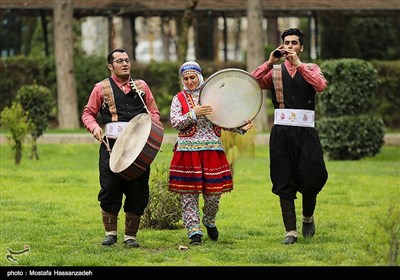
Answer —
97 96
310 72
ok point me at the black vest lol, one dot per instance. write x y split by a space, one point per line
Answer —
297 92
127 105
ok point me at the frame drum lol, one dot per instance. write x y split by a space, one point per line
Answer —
136 147
234 95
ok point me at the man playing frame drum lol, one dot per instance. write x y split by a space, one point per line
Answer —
119 99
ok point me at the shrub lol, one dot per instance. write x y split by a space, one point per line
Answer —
235 144
16 120
351 137
387 101
347 129
37 101
351 86
163 210
386 233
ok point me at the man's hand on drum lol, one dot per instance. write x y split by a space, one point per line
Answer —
247 126
202 110
98 134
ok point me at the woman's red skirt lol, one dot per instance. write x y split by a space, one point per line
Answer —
205 172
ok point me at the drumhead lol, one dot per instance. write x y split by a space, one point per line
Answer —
234 95
130 142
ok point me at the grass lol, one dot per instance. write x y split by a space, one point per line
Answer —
51 206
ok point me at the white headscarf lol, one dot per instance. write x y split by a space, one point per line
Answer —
192 67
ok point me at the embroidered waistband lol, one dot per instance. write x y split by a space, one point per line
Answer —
294 117
113 129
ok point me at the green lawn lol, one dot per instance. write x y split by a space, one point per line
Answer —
51 206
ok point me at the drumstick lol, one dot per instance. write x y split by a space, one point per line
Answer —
107 144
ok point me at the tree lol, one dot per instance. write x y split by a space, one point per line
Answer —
186 22
37 101
67 102
16 120
255 53
364 38
206 37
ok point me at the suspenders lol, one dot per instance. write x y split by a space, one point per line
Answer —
277 80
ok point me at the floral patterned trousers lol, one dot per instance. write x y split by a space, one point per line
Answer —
191 212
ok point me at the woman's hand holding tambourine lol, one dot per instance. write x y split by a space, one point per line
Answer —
247 126
202 110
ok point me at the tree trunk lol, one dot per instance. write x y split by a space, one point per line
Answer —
166 36
255 53
122 35
273 31
67 103
34 150
186 22
18 152
206 37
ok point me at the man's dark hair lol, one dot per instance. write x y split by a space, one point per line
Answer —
293 31
110 56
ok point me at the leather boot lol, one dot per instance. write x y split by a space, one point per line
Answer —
110 226
132 222
309 202
289 220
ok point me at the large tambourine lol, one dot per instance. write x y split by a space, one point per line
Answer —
136 147
234 95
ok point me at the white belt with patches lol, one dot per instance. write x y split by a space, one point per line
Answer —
113 129
294 117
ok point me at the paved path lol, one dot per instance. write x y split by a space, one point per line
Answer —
86 138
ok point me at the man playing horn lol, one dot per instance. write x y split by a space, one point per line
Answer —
296 156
